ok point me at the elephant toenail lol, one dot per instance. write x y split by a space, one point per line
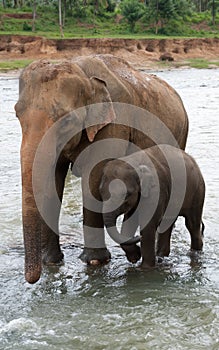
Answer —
94 262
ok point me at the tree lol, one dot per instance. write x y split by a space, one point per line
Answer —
213 5
34 15
201 5
132 10
182 7
111 5
60 19
160 11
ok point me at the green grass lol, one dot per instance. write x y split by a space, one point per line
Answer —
201 63
198 63
216 63
13 65
96 27
95 34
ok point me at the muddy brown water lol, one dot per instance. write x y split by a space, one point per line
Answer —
115 306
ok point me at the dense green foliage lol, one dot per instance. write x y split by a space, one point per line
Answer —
112 18
132 10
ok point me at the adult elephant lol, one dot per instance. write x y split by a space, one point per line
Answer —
97 88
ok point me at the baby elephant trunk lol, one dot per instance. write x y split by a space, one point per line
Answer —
110 223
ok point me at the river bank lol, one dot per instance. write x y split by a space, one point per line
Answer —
142 53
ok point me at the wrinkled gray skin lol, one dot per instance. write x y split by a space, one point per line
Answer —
147 179
47 92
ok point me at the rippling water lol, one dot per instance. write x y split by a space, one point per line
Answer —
116 306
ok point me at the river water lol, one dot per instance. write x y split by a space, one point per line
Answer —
115 306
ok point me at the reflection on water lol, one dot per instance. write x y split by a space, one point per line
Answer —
116 306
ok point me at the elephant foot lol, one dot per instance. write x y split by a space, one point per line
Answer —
161 253
53 259
95 256
132 251
160 259
147 267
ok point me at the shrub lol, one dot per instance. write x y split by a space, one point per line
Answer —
27 27
175 27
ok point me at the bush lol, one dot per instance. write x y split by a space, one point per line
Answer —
174 27
27 27
200 17
111 5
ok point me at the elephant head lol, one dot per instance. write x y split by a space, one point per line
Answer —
47 93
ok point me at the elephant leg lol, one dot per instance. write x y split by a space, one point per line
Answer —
129 227
148 246
163 242
95 251
194 224
51 251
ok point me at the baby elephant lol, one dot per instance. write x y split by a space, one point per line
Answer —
152 188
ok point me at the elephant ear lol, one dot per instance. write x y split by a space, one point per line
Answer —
146 180
100 111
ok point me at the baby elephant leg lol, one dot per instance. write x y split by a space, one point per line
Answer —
148 247
129 227
163 242
195 226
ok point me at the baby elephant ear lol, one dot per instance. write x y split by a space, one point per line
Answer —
100 112
145 180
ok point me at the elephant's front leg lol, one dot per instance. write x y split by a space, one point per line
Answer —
163 241
148 246
129 228
51 251
95 251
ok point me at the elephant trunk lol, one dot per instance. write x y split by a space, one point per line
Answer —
32 245
31 226
110 223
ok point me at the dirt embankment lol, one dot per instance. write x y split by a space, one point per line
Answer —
141 52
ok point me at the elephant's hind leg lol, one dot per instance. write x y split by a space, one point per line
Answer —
195 226
51 251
